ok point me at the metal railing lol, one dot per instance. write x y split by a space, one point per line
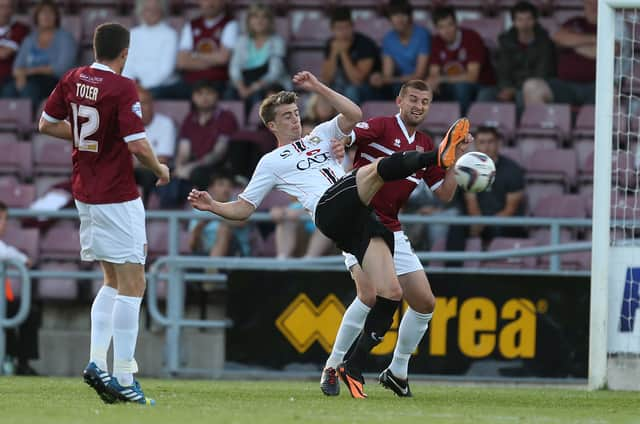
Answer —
23 309
174 319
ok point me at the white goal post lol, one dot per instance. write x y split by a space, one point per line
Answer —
606 339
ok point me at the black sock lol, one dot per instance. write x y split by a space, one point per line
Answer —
402 164
378 323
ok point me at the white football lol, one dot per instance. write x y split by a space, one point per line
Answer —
475 172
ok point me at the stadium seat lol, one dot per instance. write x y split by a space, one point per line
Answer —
528 145
44 183
19 196
441 115
237 108
61 242
375 28
378 108
51 156
92 17
302 37
174 109
306 60
534 192
58 288
16 115
546 120
16 158
27 240
511 244
494 114
561 206
473 244
512 153
558 165
158 239
585 122
585 161
488 28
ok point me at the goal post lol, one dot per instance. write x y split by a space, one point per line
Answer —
615 256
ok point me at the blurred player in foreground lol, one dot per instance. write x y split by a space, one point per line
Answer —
98 110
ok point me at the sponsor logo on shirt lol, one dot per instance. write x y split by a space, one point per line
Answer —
137 109
396 142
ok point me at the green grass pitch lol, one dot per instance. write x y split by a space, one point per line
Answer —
69 401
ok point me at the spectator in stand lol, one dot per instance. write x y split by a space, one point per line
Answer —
526 58
204 142
258 58
161 133
350 58
44 56
576 80
22 342
218 237
405 50
205 48
155 72
460 64
505 198
318 110
12 33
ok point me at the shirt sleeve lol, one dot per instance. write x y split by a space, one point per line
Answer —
366 132
130 114
328 130
229 35
261 183
55 109
10 252
186 38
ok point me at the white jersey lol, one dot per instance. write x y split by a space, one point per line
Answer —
304 169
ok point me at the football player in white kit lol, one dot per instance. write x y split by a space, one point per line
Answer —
305 168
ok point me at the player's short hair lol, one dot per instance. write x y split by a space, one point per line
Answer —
524 7
269 105
340 14
399 7
443 12
109 40
417 84
489 129
164 5
256 8
42 5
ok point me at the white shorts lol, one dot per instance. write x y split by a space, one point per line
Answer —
404 260
113 232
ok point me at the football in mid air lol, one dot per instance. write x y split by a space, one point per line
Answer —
475 172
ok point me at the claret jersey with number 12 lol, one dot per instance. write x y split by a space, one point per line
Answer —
105 114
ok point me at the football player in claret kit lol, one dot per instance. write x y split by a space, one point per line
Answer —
305 168
377 138
98 110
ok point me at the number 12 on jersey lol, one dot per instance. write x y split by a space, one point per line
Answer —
87 129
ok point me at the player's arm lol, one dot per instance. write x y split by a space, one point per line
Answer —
60 129
350 113
237 210
142 150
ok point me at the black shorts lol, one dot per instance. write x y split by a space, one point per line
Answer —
342 217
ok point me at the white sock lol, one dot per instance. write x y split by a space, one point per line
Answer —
350 327
412 329
102 325
126 313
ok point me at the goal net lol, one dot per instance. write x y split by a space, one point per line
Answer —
614 352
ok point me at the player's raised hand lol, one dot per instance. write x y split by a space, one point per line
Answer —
306 80
337 149
200 200
163 175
